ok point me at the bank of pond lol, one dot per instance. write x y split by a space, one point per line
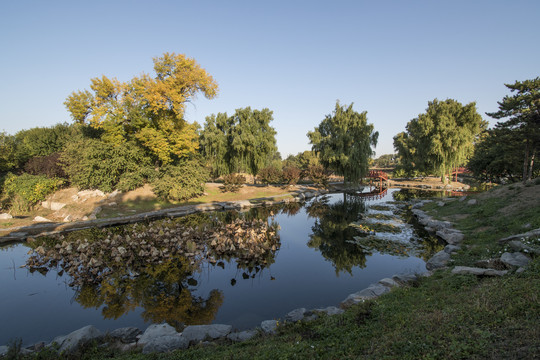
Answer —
229 267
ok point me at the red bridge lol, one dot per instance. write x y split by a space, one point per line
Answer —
377 174
459 170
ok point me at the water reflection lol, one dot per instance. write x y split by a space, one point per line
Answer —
152 265
331 232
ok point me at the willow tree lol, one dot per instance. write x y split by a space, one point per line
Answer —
343 141
441 138
147 110
523 113
243 142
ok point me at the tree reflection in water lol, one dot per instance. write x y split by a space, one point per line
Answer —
151 265
331 231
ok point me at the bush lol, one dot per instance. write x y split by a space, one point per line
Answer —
270 175
94 164
24 191
45 165
181 182
233 182
318 175
291 175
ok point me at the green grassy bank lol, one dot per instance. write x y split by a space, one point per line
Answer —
441 316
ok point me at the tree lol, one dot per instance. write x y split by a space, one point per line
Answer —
343 142
523 113
147 110
243 142
441 138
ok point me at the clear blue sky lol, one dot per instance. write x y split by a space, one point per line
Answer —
294 57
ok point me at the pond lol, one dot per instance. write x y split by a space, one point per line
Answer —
223 267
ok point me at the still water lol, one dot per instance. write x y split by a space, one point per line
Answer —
326 249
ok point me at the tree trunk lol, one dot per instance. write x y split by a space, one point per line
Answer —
531 165
443 176
525 161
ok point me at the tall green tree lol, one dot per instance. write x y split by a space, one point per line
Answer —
523 112
243 142
343 141
147 110
441 138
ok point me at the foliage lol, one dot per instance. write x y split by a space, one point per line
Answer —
523 123
95 164
318 175
41 141
233 182
291 174
343 142
182 181
7 153
26 190
439 139
270 175
243 142
45 165
385 161
497 156
147 110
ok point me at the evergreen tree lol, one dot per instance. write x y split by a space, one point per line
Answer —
523 113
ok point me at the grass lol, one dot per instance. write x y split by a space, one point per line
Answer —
442 316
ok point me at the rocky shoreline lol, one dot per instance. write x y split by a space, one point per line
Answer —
164 338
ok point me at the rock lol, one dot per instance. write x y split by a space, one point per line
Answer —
269 326
5 216
113 194
156 331
463 198
52 205
165 343
296 315
519 246
91 193
532 233
75 197
441 203
112 204
520 270
439 260
404 279
388 282
68 218
472 202
126 335
371 292
451 236
41 219
331 310
515 259
242 336
451 248
196 333
461 270
208 207
72 341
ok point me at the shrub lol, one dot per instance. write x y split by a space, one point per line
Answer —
269 175
26 190
45 165
318 175
181 182
291 174
233 182
94 164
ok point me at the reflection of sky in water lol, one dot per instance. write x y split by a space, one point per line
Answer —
36 307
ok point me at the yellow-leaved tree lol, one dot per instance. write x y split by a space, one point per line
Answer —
147 110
